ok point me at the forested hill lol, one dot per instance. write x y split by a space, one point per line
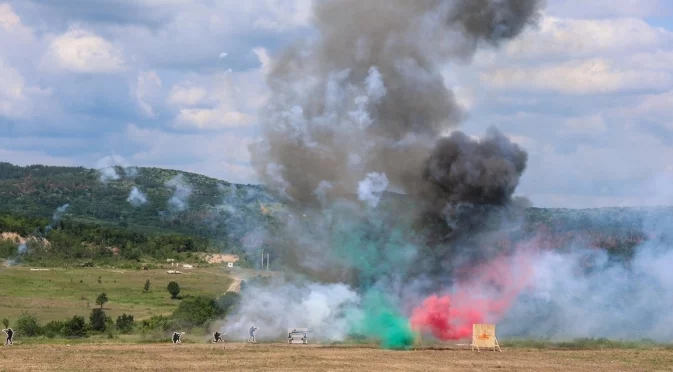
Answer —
166 200
153 211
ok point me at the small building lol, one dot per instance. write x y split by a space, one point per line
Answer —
187 266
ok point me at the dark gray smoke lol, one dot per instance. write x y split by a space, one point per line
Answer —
368 96
361 111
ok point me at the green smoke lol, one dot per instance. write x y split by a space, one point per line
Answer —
382 321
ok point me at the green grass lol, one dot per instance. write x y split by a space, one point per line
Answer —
60 293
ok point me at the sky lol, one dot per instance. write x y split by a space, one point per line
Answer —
178 84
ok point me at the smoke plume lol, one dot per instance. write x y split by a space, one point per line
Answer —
181 193
136 197
361 111
58 215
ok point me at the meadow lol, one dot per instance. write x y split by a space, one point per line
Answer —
60 293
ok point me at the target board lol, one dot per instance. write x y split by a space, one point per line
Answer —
483 336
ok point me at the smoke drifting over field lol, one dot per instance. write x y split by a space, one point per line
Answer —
361 111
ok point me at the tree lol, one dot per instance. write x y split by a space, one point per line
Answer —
173 289
101 300
146 288
97 320
124 323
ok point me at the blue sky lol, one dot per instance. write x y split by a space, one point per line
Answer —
178 84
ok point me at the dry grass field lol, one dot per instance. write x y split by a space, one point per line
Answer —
283 357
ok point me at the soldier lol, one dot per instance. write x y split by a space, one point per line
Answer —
177 337
10 336
217 337
252 334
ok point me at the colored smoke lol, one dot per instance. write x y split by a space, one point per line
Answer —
445 320
355 117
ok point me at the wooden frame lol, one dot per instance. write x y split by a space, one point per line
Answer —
483 335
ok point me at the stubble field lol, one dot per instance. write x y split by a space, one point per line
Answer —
283 357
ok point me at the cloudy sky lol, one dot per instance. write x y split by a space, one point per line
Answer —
178 84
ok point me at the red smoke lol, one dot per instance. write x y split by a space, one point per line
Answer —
484 297
445 322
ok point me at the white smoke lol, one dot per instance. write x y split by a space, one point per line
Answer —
371 188
58 214
22 248
325 309
107 168
136 197
181 192
578 292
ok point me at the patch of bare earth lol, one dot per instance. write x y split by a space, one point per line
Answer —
282 357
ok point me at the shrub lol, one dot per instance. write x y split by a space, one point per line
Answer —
160 322
197 311
228 301
75 326
124 323
53 328
97 320
5 323
146 288
27 325
173 289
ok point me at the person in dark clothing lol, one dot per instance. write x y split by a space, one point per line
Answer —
217 337
177 336
10 336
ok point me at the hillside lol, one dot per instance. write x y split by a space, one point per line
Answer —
201 206
153 211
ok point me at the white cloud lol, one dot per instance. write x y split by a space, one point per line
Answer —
264 59
82 51
211 119
609 8
564 38
13 100
187 94
280 15
593 76
146 90
584 125
8 19
215 155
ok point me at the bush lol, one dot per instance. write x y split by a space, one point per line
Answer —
97 320
173 289
54 328
75 326
146 288
159 322
196 311
124 323
27 325
228 301
5 323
